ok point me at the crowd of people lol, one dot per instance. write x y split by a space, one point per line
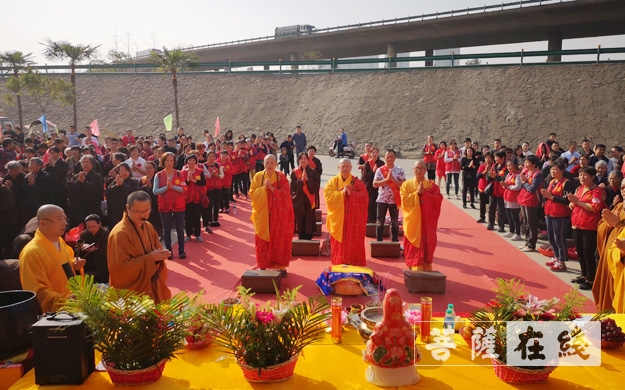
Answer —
573 192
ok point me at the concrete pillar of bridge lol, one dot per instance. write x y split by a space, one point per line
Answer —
294 57
266 67
391 52
429 53
554 44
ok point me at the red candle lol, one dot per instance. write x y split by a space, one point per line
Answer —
337 320
426 318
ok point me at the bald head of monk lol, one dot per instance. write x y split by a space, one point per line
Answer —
345 168
270 162
52 221
419 169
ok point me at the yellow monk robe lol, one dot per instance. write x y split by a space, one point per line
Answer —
616 268
420 221
41 271
273 218
603 285
347 220
131 264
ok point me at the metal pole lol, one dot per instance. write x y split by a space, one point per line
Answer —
229 66
522 51
452 59
280 64
598 52
333 64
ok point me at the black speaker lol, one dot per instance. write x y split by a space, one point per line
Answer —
63 350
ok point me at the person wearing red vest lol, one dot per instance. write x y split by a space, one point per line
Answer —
226 181
512 187
586 203
304 185
429 150
192 174
213 191
558 214
496 175
172 201
388 179
452 166
529 199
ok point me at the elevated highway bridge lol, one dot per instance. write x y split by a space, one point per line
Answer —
521 21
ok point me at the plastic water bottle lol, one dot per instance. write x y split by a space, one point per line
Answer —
449 320
451 307
234 209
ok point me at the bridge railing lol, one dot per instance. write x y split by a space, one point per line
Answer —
386 22
517 58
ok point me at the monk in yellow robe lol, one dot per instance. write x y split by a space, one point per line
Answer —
272 215
421 201
347 202
136 259
616 254
47 262
608 229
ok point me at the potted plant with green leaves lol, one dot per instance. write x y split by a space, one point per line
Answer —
266 340
512 303
135 335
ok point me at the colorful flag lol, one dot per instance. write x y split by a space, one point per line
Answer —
44 123
169 122
95 128
217 127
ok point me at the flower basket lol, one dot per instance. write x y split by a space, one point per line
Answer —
272 374
512 374
135 377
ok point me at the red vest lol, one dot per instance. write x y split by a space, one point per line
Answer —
555 209
214 182
171 200
526 198
580 217
508 194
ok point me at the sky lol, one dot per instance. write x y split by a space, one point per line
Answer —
134 25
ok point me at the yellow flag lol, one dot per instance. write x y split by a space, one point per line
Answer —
168 121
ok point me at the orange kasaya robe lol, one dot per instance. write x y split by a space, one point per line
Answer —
420 220
347 220
273 218
131 263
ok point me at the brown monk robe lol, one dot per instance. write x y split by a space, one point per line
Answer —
608 229
136 259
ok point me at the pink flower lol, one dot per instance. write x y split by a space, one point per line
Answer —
264 317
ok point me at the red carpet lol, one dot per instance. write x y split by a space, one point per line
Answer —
467 253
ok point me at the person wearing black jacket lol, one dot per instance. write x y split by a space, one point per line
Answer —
57 168
118 191
96 254
315 164
85 191
304 185
468 167
37 188
289 145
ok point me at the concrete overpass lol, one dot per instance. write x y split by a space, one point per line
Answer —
550 22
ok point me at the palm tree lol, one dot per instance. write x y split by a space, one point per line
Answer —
64 50
17 61
172 61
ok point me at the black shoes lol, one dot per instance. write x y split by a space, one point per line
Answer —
472 206
481 220
182 255
490 227
578 279
585 285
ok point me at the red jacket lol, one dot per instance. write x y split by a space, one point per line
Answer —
194 190
529 195
228 167
214 182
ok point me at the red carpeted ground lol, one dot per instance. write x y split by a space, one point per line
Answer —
469 255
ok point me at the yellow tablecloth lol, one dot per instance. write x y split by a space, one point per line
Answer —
329 366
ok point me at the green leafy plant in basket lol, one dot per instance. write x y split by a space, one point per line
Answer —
512 303
261 336
129 329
